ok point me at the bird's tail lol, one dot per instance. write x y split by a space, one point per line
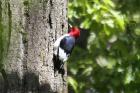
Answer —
62 65
58 65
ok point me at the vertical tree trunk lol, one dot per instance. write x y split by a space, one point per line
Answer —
31 27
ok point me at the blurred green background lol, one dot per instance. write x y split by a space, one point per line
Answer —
107 56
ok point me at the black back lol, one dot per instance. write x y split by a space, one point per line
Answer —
67 44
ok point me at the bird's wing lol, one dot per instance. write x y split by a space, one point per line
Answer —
67 44
57 43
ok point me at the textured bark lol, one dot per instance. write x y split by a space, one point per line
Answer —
33 27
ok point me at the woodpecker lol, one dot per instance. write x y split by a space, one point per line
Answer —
64 45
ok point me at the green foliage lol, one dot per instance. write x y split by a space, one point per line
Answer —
73 83
96 15
111 61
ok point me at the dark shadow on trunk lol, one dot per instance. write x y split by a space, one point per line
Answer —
29 84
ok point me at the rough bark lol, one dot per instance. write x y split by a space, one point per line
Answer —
32 26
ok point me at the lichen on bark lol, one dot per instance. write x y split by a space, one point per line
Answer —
5 30
5 35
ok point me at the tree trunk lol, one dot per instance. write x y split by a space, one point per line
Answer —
28 31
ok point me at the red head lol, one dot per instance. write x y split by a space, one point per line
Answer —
75 32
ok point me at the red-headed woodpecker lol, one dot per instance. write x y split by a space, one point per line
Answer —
64 45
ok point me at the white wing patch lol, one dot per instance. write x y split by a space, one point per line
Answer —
62 55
